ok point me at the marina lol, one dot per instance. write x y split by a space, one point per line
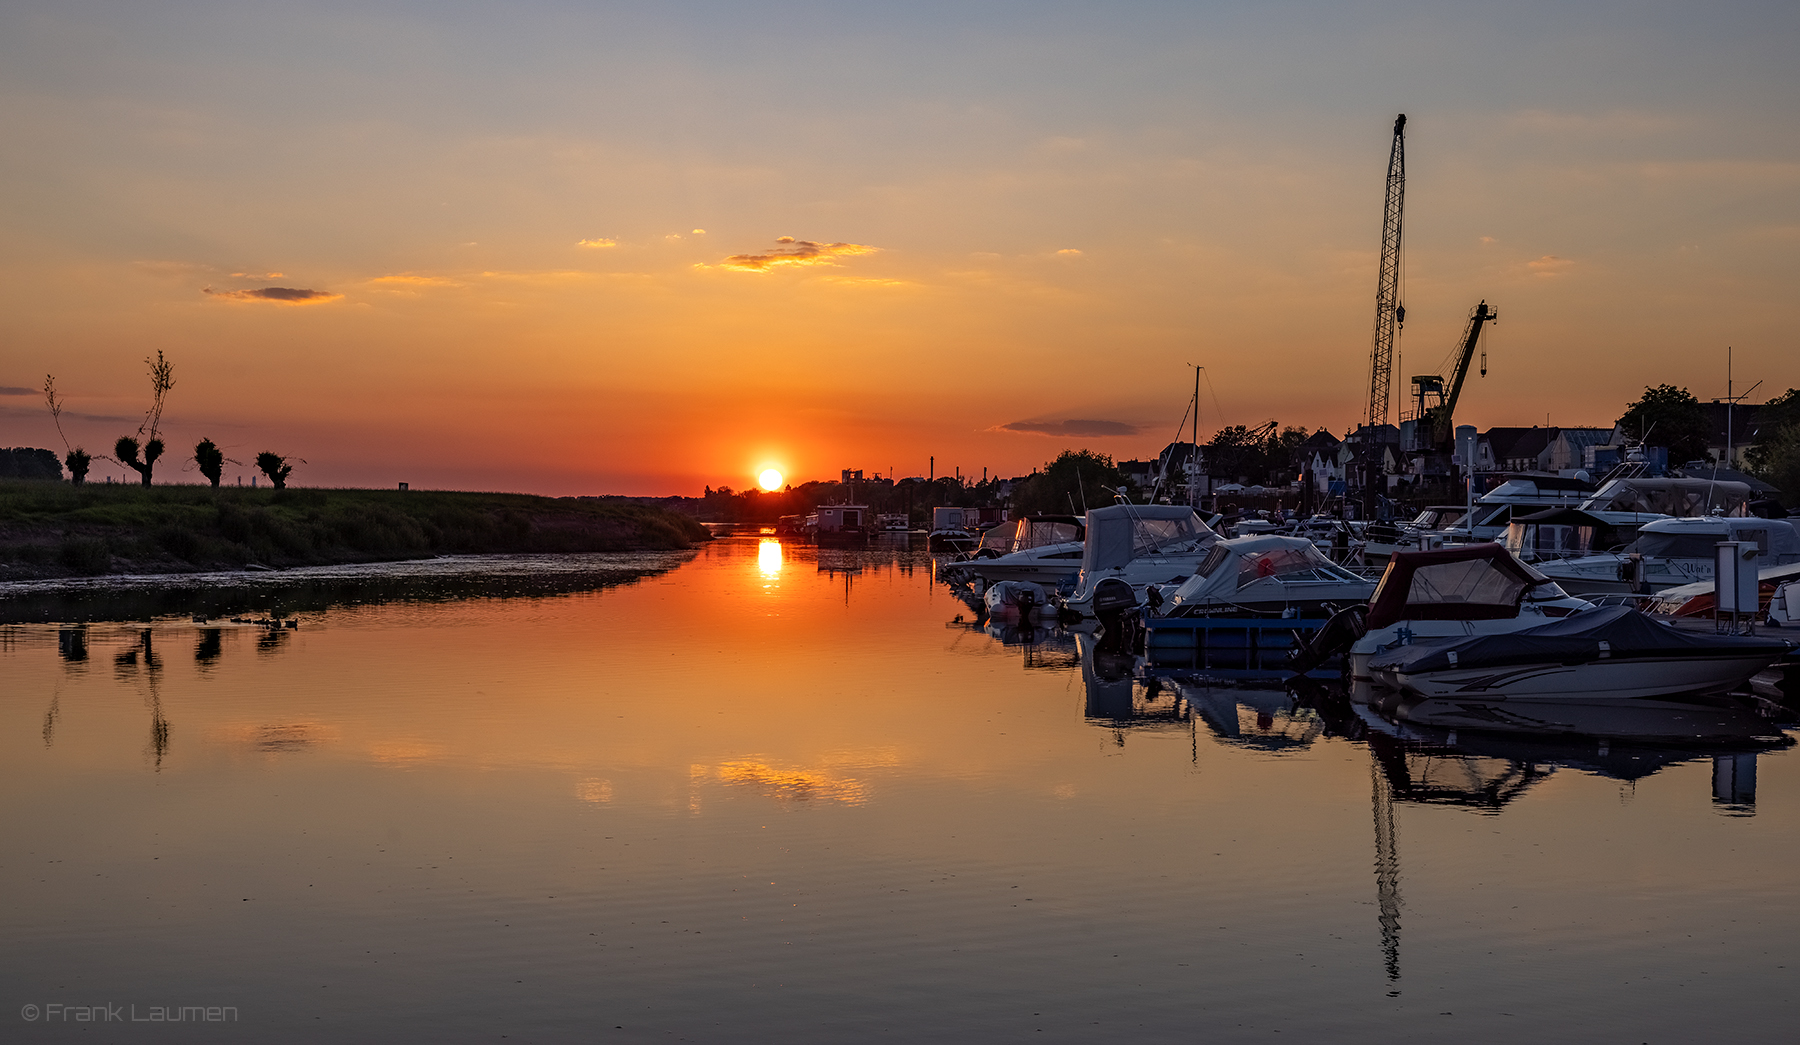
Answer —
462 817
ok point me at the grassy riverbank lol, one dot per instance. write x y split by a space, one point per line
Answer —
52 529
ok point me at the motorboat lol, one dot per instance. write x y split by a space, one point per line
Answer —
1129 547
1572 533
1439 595
1015 600
1670 552
1040 549
1607 653
1264 575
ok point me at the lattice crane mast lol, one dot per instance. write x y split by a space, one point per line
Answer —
1388 309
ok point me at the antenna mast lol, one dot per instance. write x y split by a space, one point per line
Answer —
1388 309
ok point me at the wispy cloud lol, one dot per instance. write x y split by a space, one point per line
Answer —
276 295
11 390
408 281
597 243
260 275
1074 428
1549 266
1068 252
796 252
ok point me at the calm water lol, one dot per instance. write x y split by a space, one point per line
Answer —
763 797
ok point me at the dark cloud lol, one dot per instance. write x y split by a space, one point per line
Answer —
1071 428
279 295
796 252
9 390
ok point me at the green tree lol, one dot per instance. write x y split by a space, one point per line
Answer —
275 467
126 450
210 460
1075 481
1671 417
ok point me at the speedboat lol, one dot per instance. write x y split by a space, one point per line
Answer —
1670 552
1608 653
1040 549
1442 595
1265 575
1132 546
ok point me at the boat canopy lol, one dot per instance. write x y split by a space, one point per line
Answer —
1775 539
1677 497
1472 582
1120 533
1610 632
1266 561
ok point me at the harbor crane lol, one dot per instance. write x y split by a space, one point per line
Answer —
1435 395
1388 309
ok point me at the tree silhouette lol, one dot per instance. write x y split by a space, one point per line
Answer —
162 378
126 450
275 467
1671 417
77 459
210 460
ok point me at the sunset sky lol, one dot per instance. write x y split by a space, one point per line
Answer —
607 248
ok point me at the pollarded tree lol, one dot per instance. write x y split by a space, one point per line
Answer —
77 459
211 461
162 378
275 467
126 450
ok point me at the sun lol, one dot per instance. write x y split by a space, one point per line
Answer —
770 479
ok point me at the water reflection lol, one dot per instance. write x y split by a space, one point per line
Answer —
768 557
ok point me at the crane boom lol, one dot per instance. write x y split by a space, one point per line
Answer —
1387 284
1442 415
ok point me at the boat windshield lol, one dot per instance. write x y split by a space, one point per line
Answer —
1291 563
1117 534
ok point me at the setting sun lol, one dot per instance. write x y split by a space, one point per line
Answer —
770 479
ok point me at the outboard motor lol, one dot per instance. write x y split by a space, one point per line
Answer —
1116 606
1335 638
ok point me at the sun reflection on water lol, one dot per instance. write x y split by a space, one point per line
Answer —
768 557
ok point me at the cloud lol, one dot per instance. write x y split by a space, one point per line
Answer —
597 244
408 281
1070 428
1487 239
1549 266
259 275
11 390
1068 252
277 295
699 232
796 252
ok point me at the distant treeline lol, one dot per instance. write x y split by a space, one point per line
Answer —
51 530
29 463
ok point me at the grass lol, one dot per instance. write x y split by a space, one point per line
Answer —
56 529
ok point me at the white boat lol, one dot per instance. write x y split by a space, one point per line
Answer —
1670 552
1132 546
1040 549
1265 575
1015 600
1443 595
1573 533
1608 653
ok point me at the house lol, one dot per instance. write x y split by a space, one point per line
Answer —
1567 451
1512 449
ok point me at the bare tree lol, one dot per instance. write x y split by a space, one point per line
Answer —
77 459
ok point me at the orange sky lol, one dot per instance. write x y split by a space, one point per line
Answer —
987 222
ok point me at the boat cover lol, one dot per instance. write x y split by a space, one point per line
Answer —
1471 582
1120 533
1234 565
1617 632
